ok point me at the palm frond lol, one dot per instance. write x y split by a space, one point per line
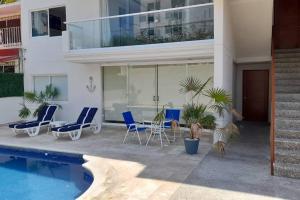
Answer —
24 112
190 84
30 97
221 100
160 117
202 87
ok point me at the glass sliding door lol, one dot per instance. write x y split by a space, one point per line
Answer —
169 94
115 93
144 90
142 84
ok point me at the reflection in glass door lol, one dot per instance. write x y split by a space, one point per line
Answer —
142 91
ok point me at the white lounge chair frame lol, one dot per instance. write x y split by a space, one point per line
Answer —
76 134
34 131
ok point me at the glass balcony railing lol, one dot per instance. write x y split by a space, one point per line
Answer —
153 27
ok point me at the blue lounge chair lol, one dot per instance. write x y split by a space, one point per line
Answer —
132 126
32 128
74 130
172 115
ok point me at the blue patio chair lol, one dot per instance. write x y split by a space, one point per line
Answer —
172 115
132 126
74 130
32 128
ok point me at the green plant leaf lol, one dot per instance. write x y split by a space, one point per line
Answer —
24 112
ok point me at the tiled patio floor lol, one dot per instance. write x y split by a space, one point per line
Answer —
140 172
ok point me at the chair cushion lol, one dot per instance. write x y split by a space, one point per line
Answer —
71 127
31 124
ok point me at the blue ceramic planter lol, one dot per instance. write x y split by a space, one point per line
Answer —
191 146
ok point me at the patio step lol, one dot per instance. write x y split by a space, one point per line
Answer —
291 69
287 170
288 106
289 134
287 144
287 60
287 156
287 51
288 89
290 124
286 82
287 115
287 97
287 76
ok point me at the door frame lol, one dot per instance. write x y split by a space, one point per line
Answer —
268 94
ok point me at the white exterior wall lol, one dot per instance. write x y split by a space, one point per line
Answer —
44 56
9 109
224 49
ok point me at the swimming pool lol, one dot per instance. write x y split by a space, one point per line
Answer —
41 175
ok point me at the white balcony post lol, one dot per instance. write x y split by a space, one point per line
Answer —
10 37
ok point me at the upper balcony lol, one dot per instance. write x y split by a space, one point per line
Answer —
181 33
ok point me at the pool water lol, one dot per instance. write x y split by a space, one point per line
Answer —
39 175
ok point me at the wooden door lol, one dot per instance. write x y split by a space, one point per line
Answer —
255 95
287 24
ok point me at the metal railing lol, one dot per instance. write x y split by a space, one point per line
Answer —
10 37
187 23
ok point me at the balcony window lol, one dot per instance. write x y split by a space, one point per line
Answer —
48 22
176 21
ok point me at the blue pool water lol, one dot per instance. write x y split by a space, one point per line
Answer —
39 175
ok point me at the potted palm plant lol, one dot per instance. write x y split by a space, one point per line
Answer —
196 114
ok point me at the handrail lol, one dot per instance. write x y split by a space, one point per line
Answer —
273 111
142 13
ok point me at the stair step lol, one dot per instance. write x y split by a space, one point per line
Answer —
282 97
288 106
287 65
282 51
290 124
287 170
287 156
288 114
287 143
287 60
287 76
288 55
288 134
287 82
288 89
287 69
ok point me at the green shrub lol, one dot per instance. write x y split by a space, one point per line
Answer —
208 122
11 85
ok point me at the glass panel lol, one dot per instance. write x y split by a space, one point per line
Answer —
61 83
120 7
39 20
169 26
142 92
115 93
202 71
169 77
40 83
57 17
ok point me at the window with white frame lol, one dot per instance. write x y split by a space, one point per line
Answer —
48 22
58 81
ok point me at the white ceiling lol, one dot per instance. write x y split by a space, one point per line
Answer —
252 28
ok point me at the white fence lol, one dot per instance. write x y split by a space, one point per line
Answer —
10 37
9 109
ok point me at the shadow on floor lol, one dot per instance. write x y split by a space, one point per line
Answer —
244 169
